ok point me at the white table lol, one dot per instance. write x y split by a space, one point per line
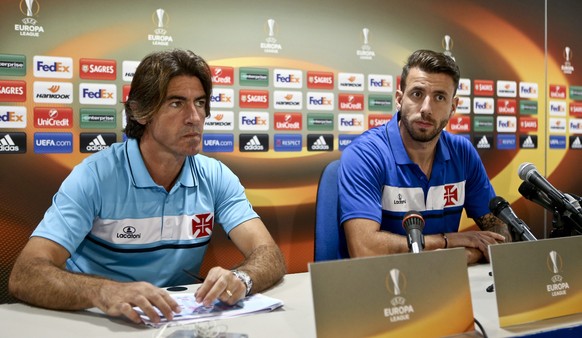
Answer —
295 319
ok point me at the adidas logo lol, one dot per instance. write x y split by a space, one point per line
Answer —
483 143
528 143
97 144
320 144
254 144
576 144
8 145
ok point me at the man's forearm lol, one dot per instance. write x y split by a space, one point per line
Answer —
40 283
265 265
489 222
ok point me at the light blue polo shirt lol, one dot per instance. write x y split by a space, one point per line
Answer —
117 223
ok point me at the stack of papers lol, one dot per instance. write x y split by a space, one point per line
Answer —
193 312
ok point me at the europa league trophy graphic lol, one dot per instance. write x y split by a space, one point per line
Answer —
567 67
160 16
271 25
448 46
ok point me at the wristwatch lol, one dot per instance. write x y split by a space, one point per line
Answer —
245 278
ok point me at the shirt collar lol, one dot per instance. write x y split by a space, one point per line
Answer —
140 175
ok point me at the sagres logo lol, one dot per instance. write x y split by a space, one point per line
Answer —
253 98
202 225
555 264
12 91
97 69
396 284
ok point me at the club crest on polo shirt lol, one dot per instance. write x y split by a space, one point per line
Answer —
202 225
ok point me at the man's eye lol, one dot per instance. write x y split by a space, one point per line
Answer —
200 103
176 104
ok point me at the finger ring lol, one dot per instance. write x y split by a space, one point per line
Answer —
228 293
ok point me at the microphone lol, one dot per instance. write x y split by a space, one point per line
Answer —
501 209
528 172
530 192
413 223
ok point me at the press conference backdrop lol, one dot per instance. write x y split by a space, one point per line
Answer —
295 82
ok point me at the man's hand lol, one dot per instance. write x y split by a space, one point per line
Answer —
479 240
220 284
117 299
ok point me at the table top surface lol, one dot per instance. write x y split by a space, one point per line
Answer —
294 319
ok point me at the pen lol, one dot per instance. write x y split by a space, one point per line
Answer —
196 277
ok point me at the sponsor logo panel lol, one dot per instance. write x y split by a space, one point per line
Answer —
53 92
212 143
464 88
506 88
320 122
288 142
350 122
464 105
287 78
460 124
98 94
506 141
350 81
380 83
483 141
575 126
53 117
575 142
380 102
557 142
253 99
52 67
253 120
575 92
483 87
12 65
528 107
506 124
253 142
254 77
320 101
528 90
557 91
528 141
12 91
319 142
222 76
97 118
12 143
222 98
483 105
288 121
576 108
528 124
288 100
375 120
97 69
219 120
94 142
351 102
557 125
483 124
53 143
320 80
128 68
507 106
13 117
557 108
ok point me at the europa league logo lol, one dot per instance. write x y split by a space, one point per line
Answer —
271 26
567 67
161 19
366 35
32 7
554 262
447 43
395 282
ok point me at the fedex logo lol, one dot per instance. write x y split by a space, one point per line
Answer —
464 105
575 108
527 124
575 126
12 117
253 98
380 83
557 125
287 78
320 101
483 105
222 75
464 88
222 98
320 80
351 101
506 124
483 87
528 90
506 88
12 91
375 120
53 67
460 124
288 100
97 93
351 81
557 108
507 106
96 69
350 122
254 121
288 121
557 92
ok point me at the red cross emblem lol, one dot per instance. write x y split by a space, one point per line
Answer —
202 225
450 195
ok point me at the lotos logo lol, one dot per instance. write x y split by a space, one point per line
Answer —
221 75
320 80
96 69
253 98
